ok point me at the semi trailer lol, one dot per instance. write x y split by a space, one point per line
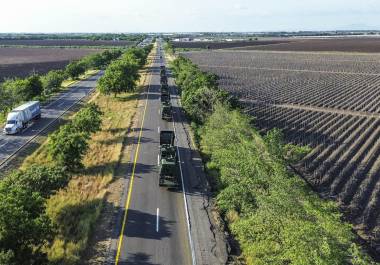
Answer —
19 117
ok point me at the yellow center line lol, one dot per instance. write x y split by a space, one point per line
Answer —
132 178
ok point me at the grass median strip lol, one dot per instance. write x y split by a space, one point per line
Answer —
74 210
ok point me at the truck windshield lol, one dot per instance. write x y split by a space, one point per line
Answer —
11 122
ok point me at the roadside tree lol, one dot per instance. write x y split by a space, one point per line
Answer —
119 77
67 147
75 69
52 81
88 120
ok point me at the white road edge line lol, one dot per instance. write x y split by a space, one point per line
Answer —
158 220
194 262
185 200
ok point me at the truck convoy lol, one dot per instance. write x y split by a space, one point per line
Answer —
19 117
166 107
168 160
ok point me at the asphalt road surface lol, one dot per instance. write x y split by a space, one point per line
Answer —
161 225
155 230
10 143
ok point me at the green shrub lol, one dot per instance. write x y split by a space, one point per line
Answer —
88 119
7 257
42 179
52 81
24 226
67 147
75 69
280 221
120 76
34 86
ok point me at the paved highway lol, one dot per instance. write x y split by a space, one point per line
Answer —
57 106
155 230
159 225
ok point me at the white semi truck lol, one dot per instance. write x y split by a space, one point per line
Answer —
19 117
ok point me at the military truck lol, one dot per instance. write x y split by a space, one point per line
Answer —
165 99
164 89
164 80
168 160
166 112
162 72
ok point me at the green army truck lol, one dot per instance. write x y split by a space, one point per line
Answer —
162 72
164 80
165 99
166 112
168 160
164 89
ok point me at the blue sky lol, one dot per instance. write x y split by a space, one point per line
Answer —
186 16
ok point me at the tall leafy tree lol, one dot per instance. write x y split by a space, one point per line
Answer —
88 119
33 86
52 81
75 69
42 179
67 147
119 77
24 226
18 89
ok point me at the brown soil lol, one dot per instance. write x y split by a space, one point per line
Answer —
366 45
79 42
20 62
224 45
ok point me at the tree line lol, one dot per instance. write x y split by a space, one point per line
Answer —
272 213
122 74
40 87
25 228
73 36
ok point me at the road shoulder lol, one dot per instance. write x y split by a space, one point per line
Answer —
209 242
